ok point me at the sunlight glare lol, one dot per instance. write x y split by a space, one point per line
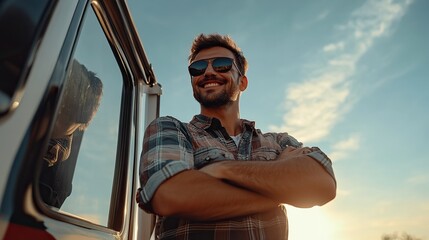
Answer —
310 224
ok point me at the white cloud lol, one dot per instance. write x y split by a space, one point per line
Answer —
333 47
418 179
343 148
316 104
323 15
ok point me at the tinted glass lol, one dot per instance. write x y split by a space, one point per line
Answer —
79 165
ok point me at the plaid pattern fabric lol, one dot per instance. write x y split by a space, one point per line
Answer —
58 150
171 146
269 225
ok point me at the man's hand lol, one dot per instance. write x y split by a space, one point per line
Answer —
216 169
291 152
293 178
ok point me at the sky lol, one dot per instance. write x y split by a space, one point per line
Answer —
347 76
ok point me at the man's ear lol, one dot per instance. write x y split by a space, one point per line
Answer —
243 83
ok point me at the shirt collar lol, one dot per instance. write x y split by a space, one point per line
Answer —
205 122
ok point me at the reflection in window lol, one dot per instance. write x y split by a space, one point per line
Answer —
80 101
79 165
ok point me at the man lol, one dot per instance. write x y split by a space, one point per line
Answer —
81 99
218 177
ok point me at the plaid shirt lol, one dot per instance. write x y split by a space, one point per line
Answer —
171 146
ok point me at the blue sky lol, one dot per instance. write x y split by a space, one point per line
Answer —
347 76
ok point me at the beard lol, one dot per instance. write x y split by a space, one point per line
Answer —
218 100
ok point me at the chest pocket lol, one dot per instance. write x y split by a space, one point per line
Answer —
207 155
265 153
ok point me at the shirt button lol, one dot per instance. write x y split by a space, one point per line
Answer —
207 159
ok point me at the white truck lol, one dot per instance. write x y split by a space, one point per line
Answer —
76 92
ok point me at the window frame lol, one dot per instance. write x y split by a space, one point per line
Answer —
21 205
125 145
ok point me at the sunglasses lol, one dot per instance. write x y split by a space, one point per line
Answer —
219 64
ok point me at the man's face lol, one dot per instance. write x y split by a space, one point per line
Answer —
214 89
64 125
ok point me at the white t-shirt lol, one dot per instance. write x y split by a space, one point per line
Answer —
236 139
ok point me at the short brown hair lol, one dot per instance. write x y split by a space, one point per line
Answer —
82 95
203 41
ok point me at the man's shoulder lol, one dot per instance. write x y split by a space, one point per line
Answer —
167 120
168 123
283 138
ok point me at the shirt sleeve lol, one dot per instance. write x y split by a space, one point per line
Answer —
286 140
166 152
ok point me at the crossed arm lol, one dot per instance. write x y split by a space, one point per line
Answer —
294 178
236 188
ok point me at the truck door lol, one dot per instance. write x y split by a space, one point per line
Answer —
73 174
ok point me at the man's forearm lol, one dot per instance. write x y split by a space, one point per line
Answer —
298 181
195 195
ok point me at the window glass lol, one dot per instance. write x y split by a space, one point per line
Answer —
79 166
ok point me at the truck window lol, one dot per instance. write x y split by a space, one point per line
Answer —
79 165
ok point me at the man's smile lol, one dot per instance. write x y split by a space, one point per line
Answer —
209 84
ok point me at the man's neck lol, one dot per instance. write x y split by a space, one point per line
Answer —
228 116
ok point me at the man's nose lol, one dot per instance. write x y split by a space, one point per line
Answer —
209 70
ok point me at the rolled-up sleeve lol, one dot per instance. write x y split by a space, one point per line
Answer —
286 140
166 152
323 159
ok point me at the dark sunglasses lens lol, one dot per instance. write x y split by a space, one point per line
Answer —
222 64
197 68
